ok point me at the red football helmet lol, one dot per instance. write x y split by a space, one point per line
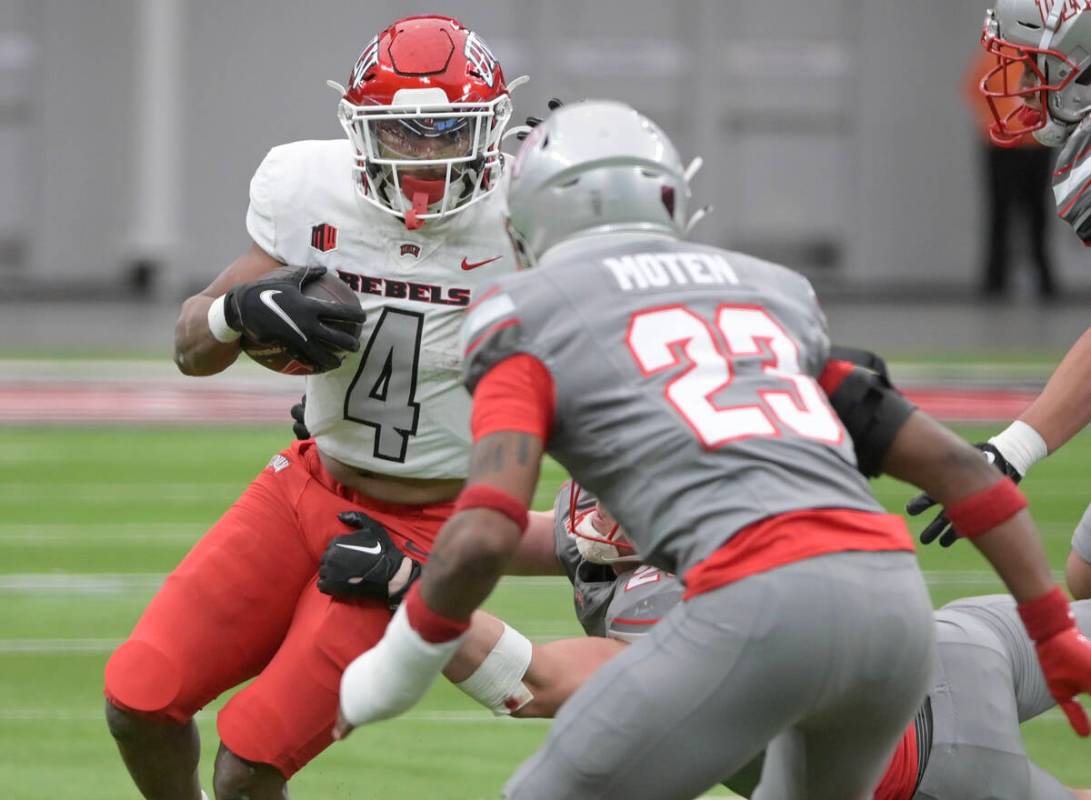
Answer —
425 109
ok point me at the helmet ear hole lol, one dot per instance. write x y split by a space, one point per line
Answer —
666 194
1084 78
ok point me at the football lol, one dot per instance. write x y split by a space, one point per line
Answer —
276 357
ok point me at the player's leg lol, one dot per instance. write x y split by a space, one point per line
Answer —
999 196
1037 201
161 757
880 630
235 779
215 622
284 717
637 728
705 691
977 750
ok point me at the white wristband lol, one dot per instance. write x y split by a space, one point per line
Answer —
217 322
497 683
1021 445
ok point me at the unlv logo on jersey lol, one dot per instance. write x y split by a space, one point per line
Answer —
324 237
481 57
410 250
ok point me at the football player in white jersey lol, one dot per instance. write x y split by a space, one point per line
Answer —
1043 59
406 212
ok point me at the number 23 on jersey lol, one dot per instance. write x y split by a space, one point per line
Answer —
800 407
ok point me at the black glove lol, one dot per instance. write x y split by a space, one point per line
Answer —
275 310
534 122
362 563
299 427
940 527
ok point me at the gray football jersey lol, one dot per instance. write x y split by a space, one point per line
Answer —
685 386
607 604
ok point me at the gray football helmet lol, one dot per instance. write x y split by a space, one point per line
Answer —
594 167
1043 51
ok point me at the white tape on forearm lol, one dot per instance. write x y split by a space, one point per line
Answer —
217 323
498 682
1021 445
392 676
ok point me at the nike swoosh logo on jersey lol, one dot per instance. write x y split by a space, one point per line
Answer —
468 265
266 298
371 551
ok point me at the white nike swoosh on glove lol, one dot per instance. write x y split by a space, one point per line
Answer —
374 550
266 298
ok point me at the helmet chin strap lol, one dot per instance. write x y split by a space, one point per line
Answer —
421 193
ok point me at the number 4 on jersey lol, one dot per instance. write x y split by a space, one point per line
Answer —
382 394
654 336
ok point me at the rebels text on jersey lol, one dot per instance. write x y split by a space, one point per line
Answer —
395 407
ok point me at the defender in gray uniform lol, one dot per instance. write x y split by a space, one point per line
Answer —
617 602
825 657
677 383
966 737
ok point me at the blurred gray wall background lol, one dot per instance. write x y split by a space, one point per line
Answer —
834 132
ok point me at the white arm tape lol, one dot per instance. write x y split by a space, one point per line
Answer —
391 677
1021 445
497 683
217 322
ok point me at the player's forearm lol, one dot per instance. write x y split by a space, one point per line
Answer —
467 561
196 350
536 554
1063 408
485 631
951 471
1015 551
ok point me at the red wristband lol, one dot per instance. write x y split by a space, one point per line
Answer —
980 513
432 627
1047 615
481 496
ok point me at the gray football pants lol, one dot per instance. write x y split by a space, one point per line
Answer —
823 662
988 681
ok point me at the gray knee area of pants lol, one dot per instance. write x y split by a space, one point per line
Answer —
977 750
830 638
973 773
1081 538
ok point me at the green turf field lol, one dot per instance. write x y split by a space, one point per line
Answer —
90 519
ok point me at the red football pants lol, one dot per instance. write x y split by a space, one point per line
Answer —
244 603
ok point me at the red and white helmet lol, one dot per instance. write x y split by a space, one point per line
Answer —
599 538
1043 52
425 109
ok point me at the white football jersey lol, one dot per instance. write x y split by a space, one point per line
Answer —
397 406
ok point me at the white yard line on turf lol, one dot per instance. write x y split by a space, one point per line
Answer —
98 493
120 582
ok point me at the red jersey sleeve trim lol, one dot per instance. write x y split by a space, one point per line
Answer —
834 373
515 395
